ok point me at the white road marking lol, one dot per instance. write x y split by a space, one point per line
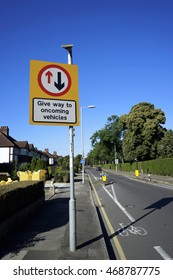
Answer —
96 178
114 198
161 252
120 206
114 194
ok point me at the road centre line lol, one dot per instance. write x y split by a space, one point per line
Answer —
111 229
119 205
161 252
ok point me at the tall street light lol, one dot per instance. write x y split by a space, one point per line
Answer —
72 201
82 141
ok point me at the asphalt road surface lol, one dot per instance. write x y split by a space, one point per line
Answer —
136 216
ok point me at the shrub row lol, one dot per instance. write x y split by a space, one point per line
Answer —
59 174
162 167
15 196
62 176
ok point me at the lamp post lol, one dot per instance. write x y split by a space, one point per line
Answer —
115 154
72 201
116 160
82 141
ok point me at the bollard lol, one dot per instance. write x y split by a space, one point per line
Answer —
53 186
104 178
136 173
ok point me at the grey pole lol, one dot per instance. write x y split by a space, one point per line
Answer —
115 155
82 142
72 201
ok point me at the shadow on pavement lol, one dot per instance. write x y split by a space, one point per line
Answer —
53 214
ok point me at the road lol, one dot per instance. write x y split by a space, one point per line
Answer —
136 217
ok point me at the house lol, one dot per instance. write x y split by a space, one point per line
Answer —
8 148
13 151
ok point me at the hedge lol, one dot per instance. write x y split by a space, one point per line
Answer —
15 196
162 167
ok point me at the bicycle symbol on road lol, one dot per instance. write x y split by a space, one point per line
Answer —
125 230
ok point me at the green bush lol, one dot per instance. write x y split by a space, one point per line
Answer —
62 176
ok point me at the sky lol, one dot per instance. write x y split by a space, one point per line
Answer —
123 50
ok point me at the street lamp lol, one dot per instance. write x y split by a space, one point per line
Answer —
72 201
82 141
68 48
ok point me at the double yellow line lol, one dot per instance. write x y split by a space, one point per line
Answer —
112 232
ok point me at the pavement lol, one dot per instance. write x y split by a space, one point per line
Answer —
45 234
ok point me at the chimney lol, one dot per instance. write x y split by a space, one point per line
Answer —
55 154
5 130
46 150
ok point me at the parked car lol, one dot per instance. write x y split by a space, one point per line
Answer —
98 168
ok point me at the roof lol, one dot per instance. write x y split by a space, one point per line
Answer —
6 141
22 144
46 152
31 147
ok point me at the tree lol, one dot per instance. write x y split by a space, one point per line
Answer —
165 145
142 132
33 164
40 164
77 163
24 166
64 162
107 140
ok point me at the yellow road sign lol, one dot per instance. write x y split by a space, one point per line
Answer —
54 93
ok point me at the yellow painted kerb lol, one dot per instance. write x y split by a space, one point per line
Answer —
115 239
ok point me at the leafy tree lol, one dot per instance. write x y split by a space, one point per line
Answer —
40 164
63 162
107 140
77 163
142 132
33 164
60 160
165 145
24 166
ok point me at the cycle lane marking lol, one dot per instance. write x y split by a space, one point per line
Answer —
119 205
125 230
110 227
159 249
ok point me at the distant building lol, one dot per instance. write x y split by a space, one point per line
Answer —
13 151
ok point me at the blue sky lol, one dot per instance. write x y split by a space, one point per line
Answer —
124 53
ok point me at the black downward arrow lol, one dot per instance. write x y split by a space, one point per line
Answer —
59 85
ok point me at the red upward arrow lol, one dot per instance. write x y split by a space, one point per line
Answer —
49 75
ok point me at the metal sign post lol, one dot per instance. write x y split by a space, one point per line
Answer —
72 202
